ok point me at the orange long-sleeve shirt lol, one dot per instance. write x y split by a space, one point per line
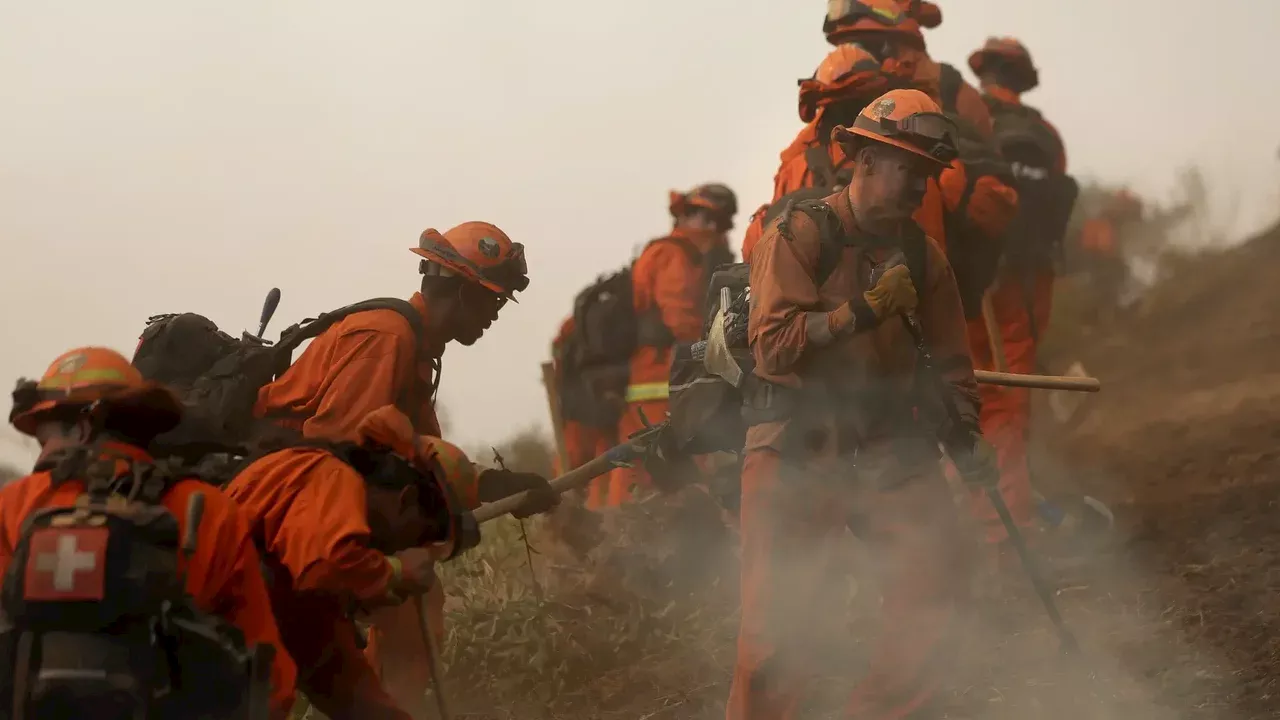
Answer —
224 575
368 360
667 280
307 510
784 293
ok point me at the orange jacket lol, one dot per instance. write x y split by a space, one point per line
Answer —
307 510
224 576
794 174
786 306
364 362
667 281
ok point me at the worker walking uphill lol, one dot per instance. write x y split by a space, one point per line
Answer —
342 527
669 288
1101 246
588 432
115 559
848 78
1022 291
970 205
844 433
381 357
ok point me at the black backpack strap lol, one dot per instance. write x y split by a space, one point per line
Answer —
949 83
298 333
831 234
915 251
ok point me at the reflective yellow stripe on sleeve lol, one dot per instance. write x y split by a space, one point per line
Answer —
644 392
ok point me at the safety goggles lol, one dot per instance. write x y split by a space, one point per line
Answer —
851 11
932 133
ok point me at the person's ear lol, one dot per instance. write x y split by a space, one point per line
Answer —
408 498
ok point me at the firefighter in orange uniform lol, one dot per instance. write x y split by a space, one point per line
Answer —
1023 288
341 527
972 203
846 80
90 405
669 288
376 358
584 436
835 373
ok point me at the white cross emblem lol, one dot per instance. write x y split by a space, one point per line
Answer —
65 562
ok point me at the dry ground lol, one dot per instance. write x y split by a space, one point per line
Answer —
1177 617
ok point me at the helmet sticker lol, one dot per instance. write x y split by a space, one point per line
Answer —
70 364
489 247
884 108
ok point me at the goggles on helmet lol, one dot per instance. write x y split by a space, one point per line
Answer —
932 133
849 11
510 275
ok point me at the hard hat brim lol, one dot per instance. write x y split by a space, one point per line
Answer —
151 407
463 272
852 135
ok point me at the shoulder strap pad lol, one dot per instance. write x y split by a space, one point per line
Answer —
831 235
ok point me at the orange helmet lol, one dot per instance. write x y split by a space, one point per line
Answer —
1012 56
906 119
715 198
903 17
90 375
478 252
848 72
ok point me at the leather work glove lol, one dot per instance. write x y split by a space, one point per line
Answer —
978 467
496 484
894 293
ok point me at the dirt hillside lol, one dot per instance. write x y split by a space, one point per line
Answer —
1177 615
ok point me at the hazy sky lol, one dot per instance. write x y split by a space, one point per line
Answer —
160 156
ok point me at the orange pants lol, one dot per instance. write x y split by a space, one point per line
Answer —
396 651
615 488
1006 412
789 519
583 443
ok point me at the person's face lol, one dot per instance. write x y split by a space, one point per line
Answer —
476 310
698 221
891 185
463 310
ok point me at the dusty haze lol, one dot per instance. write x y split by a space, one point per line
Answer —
161 156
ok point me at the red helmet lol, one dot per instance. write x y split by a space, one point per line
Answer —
715 198
906 119
478 252
849 72
902 17
90 375
1010 55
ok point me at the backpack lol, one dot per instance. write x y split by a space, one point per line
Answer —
606 333
97 620
706 406
218 376
1046 197
974 257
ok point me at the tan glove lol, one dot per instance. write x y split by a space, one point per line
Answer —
893 294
